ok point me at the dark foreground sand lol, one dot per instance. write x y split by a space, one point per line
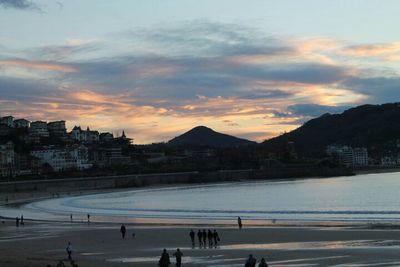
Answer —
97 245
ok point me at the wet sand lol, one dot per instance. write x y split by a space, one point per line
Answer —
38 244
282 244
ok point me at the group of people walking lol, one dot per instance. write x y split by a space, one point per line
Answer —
165 260
251 262
205 238
210 237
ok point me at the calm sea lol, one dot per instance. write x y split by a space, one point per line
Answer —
369 197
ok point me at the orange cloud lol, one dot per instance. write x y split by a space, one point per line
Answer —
390 52
21 63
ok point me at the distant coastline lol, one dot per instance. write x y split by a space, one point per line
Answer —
376 170
141 180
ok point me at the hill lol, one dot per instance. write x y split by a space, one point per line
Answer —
204 136
376 127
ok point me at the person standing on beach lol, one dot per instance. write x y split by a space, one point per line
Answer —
199 236
88 218
164 260
210 238
263 263
239 220
216 238
70 217
178 256
192 234
204 238
17 221
123 231
251 261
69 250
22 219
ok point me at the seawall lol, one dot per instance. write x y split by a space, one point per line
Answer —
141 180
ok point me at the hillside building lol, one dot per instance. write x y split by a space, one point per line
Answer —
7 160
57 129
87 136
348 156
7 120
106 137
21 123
39 129
62 159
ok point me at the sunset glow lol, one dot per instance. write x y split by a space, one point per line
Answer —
156 73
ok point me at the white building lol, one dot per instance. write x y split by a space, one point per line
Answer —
360 156
7 120
87 136
388 161
348 156
21 123
62 159
7 160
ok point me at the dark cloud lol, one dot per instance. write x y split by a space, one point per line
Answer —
150 78
378 89
265 94
25 90
314 110
20 4
204 38
198 65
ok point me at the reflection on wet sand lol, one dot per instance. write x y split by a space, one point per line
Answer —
320 245
215 259
316 245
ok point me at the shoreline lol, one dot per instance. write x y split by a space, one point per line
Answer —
283 243
377 170
19 199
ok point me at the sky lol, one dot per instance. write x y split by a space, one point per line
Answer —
157 68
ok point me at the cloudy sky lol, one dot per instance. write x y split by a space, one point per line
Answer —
156 68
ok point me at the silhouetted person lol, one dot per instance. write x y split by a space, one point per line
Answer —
210 237
123 231
192 235
240 223
200 236
204 234
69 250
178 256
17 221
70 217
251 261
263 263
22 219
164 260
216 237
88 218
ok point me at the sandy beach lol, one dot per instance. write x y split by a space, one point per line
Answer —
281 243
38 244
